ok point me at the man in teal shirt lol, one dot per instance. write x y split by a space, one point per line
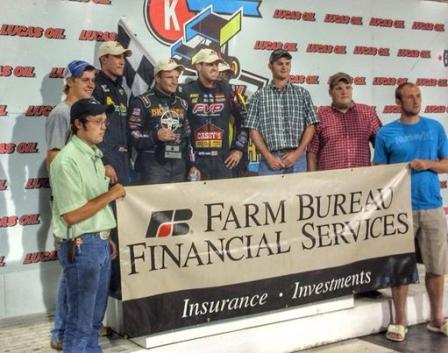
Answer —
82 220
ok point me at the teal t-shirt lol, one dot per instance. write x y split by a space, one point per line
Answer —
398 143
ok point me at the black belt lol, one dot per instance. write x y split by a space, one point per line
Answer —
284 150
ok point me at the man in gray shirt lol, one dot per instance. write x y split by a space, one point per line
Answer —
79 83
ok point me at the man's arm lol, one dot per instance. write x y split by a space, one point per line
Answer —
311 161
273 161
93 206
51 154
440 166
289 159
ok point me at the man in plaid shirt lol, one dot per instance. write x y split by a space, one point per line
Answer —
345 130
281 120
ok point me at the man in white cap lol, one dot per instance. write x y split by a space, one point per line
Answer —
108 90
158 128
210 105
116 159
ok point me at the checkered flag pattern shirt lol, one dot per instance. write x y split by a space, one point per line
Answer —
139 69
342 139
281 116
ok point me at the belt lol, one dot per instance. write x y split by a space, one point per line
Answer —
284 150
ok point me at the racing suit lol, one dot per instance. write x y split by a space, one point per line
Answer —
209 111
115 144
158 161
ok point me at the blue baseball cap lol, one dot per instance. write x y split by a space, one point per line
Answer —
76 68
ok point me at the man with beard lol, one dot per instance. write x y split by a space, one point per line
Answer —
210 104
423 143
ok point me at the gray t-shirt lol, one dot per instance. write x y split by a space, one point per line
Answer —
57 126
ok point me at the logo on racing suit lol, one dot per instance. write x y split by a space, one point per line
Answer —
208 136
169 223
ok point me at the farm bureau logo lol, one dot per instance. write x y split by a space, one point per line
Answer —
169 223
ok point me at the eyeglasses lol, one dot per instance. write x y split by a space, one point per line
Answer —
101 123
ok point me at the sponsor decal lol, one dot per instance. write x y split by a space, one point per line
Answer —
209 136
37 183
56 72
168 21
294 15
343 19
436 109
362 50
388 81
169 223
24 220
23 147
445 58
39 110
428 26
326 48
414 53
359 80
97 36
3 185
3 110
386 22
32 31
2 261
18 71
208 108
391 109
302 79
41 256
432 82
269 45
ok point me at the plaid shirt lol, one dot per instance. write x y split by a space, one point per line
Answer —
342 139
281 116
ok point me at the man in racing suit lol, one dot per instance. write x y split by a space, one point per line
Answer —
158 128
210 104
108 90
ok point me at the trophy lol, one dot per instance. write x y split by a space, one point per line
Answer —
171 120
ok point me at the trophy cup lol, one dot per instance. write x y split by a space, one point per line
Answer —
171 120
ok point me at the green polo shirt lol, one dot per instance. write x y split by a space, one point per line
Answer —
76 176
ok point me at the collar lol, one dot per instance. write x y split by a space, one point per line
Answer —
203 88
102 76
162 95
352 106
92 152
284 89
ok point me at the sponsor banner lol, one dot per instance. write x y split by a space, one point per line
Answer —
189 252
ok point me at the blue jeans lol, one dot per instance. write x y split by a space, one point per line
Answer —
299 167
57 334
87 284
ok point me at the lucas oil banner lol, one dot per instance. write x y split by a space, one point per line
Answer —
197 252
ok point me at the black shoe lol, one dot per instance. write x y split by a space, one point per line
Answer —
373 294
104 331
57 345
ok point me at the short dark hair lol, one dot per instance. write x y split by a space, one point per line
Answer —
82 120
400 88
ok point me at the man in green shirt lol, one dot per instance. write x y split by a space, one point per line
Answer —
82 220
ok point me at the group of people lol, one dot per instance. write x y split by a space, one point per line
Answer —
200 131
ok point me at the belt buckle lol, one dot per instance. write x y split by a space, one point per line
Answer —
104 234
